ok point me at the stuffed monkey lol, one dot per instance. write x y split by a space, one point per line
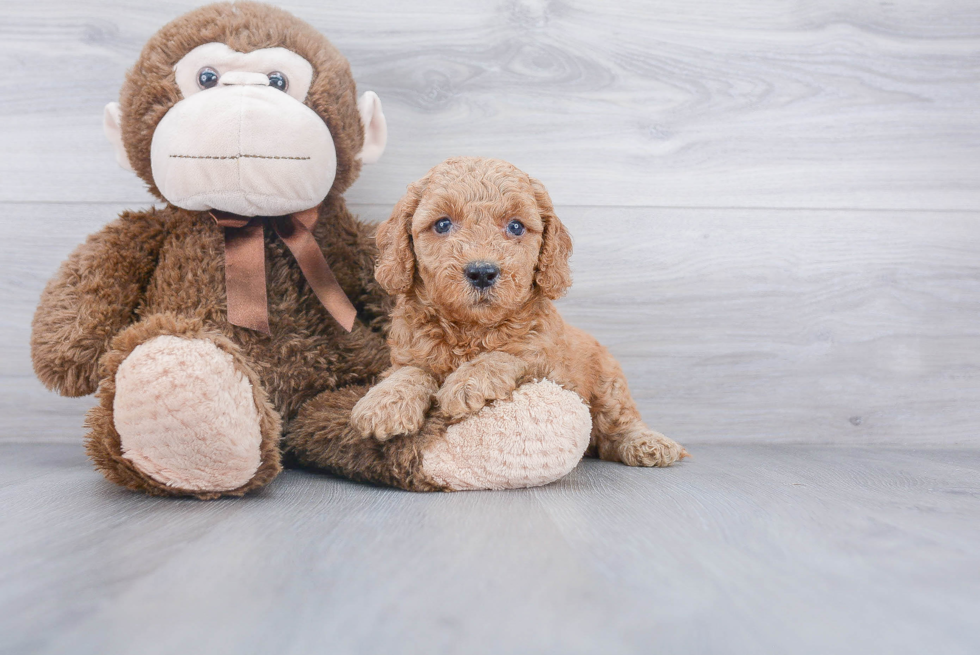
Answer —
235 326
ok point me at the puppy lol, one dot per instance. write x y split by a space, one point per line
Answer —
474 255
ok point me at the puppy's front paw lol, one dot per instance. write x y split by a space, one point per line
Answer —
649 448
462 394
389 410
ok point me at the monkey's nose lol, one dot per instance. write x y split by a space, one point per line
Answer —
243 78
482 275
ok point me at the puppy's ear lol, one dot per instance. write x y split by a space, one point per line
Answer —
395 271
553 274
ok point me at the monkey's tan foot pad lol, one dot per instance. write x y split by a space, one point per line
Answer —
186 416
535 438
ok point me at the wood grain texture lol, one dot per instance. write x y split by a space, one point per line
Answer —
802 326
815 104
748 549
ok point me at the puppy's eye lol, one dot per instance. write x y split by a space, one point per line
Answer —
515 228
278 81
443 225
207 77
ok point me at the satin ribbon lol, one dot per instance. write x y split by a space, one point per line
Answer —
245 282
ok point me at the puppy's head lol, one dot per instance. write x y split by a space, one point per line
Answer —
476 237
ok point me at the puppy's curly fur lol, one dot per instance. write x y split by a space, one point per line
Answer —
461 345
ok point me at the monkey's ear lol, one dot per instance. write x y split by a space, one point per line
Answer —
112 126
554 275
395 271
375 127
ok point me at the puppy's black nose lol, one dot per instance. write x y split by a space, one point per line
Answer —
482 275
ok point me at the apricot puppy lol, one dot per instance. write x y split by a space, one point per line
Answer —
474 255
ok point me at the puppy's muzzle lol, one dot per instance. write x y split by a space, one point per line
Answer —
482 275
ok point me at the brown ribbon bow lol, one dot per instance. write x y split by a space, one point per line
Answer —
245 267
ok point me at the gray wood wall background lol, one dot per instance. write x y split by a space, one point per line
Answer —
775 205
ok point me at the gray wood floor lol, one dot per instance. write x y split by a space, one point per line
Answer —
743 549
776 214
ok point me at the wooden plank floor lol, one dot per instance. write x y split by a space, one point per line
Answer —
743 549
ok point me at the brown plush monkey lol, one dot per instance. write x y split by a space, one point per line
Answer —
216 328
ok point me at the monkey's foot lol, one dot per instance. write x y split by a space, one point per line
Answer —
186 416
536 437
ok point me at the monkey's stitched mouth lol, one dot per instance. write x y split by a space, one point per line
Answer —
237 157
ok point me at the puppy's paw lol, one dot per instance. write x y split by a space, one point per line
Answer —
459 398
649 448
395 406
462 395
385 413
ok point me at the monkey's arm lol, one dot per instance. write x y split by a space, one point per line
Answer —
94 295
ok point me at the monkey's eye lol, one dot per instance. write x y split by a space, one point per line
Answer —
207 77
515 228
278 81
443 225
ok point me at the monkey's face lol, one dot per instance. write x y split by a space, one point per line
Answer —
244 108
241 140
